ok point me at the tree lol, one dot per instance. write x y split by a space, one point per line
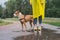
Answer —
1 10
24 6
10 6
53 8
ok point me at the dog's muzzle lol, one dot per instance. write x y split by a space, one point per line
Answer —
15 15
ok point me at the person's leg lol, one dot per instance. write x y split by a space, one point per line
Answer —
35 21
40 20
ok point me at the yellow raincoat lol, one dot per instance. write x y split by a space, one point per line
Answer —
38 7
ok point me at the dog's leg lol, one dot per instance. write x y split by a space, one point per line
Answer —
25 25
21 24
22 27
31 23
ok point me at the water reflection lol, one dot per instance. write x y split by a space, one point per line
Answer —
46 35
29 37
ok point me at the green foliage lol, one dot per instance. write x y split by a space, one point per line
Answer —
24 6
1 10
1 21
10 7
13 5
52 21
52 8
4 23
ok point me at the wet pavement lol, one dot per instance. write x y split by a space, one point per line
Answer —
46 35
51 27
13 32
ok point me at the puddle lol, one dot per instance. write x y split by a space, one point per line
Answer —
46 35
29 37
58 28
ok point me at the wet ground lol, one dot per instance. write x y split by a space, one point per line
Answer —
46 35
13 32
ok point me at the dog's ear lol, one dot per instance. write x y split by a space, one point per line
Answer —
17 11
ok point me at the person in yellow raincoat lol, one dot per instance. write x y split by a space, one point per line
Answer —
38 7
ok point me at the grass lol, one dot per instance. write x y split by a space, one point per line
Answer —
4 23
7 21
52 21
12 19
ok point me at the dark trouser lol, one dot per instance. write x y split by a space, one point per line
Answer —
40 20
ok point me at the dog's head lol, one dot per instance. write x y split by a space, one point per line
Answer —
16 13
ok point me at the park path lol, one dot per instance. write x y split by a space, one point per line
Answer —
11 31
51 27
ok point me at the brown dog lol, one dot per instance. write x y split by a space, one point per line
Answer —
24 18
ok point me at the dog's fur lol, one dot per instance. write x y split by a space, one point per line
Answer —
24 18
